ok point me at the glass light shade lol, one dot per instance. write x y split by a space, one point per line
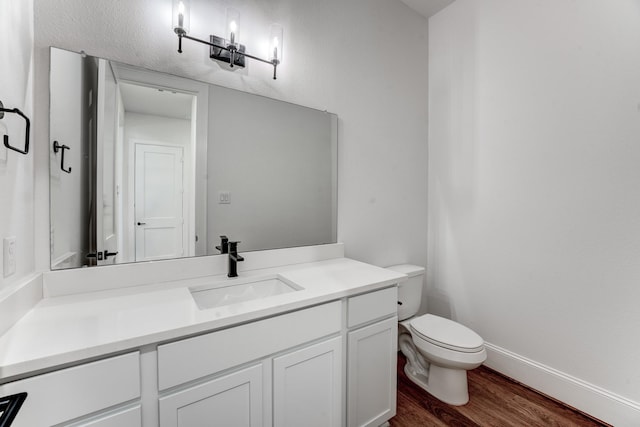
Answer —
275 43
233 27
181 15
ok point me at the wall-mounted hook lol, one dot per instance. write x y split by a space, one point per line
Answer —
26 133
57 147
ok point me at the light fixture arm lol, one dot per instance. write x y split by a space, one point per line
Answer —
231 49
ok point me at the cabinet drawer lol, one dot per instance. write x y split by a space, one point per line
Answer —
69 393
371 306
204 355
130 417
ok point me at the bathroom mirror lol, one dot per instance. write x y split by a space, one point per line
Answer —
147 166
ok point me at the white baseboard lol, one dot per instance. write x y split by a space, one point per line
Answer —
593 400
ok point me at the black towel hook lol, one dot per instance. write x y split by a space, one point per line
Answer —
26 134
59 147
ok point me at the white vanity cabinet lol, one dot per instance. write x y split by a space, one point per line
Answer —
307 386
328 360
372 357
287 370
104 393
284 371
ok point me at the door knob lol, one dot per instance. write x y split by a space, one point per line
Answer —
142 223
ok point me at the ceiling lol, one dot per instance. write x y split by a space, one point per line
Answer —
157 102
427 8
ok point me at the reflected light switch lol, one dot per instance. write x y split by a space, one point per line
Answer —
224 197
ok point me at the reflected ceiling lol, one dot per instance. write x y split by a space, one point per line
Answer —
427 8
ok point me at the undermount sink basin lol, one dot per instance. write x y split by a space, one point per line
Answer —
240 292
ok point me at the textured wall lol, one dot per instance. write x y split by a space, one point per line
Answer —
534 184
364 60
16 170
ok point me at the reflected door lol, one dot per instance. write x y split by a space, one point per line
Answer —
70 198
159 197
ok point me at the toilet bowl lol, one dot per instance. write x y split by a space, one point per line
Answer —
439 351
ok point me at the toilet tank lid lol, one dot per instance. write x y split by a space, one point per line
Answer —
408 269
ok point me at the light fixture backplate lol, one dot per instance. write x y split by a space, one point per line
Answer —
224 56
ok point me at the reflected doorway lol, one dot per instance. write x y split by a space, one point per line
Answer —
159 144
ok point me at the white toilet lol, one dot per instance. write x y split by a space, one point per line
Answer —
439 351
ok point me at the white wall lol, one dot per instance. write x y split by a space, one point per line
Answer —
534 189
364 60
16 170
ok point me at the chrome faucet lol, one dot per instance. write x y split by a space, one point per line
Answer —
234 259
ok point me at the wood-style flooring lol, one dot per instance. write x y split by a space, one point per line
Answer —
495 400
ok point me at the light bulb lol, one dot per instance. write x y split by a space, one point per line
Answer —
233 26
181 14
275 48
275 45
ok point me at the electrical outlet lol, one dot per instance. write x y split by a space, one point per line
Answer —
9 256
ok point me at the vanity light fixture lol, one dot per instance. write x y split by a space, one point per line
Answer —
229 49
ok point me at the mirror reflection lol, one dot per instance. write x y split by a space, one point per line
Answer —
158 166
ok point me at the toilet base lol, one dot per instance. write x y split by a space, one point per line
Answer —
445 384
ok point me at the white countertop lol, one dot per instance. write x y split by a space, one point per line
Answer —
69 329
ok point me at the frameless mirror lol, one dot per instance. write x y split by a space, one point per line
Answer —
147 166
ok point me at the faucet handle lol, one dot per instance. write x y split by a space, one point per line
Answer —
224 245
234 258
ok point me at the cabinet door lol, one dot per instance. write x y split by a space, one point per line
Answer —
232 400
371 373
307 386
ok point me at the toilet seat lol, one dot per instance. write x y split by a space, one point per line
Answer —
446 333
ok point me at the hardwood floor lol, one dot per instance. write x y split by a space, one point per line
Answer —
495 400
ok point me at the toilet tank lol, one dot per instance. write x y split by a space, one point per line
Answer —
409 292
